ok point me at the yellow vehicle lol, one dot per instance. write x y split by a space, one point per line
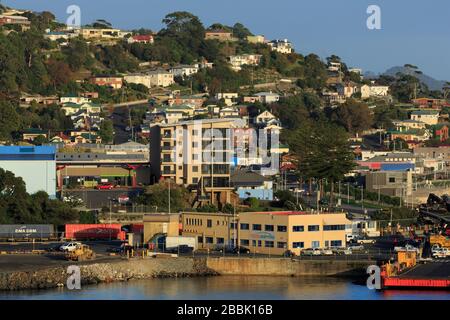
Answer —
441 241
81 253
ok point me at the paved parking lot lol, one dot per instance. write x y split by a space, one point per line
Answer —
13 262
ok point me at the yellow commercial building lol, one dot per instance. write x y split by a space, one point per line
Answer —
160 223
266 232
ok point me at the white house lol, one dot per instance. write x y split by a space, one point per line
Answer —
281 46
229 97
268 97
374 91
237 61
183 70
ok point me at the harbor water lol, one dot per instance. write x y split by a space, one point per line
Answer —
228 288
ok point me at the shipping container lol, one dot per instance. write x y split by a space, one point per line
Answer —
94 232
27 231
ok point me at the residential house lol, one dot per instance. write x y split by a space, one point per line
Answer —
107 34
113 82
368 91
440 132
60 138
347 89
189 100
147 39
220 35
281 46
238 61
429 117
74 99
21 21
430 103
268 97
250 184
410 135
409 124
32 133
28 99
183 70
154 78
256 39
265 118
229 112
71 108
229 98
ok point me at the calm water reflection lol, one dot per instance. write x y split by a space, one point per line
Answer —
229 287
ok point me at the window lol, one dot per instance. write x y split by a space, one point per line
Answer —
281 245
281 228
200 239
209 223
259 243
269 244
336 243
194 144
220 240
245 226
195 157
298 228
392 180
194 168
233 225
194 180
209 240
256 227
315 244
254 243
334 227
245 242
194 132
268 227
314 228
297 245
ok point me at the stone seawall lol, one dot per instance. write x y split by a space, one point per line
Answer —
93 273
124 270
286 267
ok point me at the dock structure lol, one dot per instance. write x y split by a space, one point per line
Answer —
428 276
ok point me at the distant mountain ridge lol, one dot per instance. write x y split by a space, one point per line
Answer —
432 83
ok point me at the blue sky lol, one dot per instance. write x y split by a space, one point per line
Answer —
413 31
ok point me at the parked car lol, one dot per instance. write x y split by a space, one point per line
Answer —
341 251
356 247
327 252
311 252
105 186
69 246
440 253
365 241
408 248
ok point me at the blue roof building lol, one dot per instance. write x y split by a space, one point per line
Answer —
36 165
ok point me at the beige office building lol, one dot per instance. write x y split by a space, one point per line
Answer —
267 232
195 154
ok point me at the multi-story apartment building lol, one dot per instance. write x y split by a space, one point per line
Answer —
154 78
196 154
238 61
267 232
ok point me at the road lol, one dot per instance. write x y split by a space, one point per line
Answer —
120 122
312 201
97 199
